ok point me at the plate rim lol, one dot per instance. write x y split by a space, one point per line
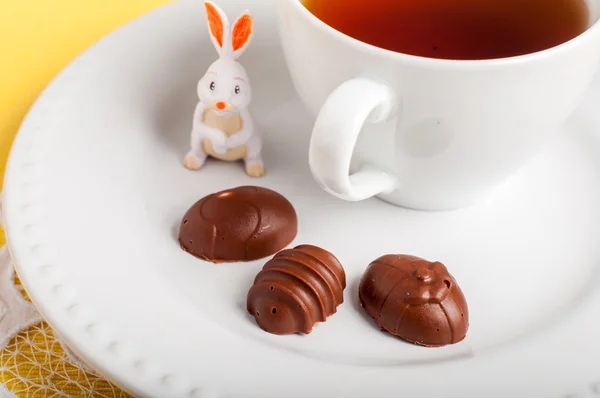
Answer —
19 150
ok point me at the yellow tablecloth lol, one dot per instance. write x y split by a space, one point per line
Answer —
37 39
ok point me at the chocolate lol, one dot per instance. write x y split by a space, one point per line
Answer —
241 224
296 289
414 299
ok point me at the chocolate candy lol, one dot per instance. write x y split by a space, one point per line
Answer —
414 299
240 224
295 289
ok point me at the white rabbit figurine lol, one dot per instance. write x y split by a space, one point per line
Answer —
222 125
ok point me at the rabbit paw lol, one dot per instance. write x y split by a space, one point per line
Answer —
255 170
192 162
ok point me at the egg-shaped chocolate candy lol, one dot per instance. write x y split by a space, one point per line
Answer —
241 224
414 299
295 289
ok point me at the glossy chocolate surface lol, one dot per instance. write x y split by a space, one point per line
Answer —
295 289
241 224
414 299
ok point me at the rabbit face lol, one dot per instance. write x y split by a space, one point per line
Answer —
225 87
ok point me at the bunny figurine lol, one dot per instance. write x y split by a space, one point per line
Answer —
222 125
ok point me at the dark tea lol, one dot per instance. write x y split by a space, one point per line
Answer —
456 29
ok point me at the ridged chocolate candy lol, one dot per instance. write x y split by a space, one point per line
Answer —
295 289
414 299
240 224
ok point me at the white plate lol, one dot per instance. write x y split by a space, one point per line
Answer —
95 190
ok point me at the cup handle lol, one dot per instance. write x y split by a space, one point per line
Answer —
336 130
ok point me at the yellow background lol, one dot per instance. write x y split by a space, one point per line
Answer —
37 39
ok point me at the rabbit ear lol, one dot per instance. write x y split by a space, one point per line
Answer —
241 34
218 27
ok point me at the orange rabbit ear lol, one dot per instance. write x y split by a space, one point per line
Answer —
242 32
217 22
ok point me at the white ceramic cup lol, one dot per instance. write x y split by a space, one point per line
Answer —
427 133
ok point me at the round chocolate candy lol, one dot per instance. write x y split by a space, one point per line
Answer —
240 224
414 299
295 289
